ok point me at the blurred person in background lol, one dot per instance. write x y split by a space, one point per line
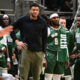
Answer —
4 49
6 21
62 21
77 42
70 38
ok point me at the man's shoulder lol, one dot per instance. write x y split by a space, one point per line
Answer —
26 17
42 19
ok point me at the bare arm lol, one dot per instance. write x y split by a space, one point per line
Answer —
6 30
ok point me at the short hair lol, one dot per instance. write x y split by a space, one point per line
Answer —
78 15
33 4
62 17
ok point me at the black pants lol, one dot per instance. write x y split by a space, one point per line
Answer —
77 70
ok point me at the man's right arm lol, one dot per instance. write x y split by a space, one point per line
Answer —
20 44
16 25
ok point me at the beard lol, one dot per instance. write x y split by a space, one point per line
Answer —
78 25
34 16
54 23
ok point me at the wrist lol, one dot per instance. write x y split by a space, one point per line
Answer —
8 59
17 41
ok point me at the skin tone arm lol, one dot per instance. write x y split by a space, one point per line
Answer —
1 78
6 30
20 45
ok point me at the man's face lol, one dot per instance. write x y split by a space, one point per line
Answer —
73 56
78 21
55 21
6 21
63 22
34 11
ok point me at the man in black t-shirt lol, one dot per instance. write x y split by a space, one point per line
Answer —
33 31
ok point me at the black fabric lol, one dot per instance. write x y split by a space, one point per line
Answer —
77 70
15 70
33 32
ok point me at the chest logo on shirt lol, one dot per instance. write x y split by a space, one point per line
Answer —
63 41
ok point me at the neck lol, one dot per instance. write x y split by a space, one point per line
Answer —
56 27
33 18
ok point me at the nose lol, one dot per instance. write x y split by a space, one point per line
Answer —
78 22
35 11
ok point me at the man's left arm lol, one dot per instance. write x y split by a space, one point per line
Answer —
44 37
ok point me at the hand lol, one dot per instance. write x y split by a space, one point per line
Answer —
4 50
20 45
67 64
8 65
44 63
17 76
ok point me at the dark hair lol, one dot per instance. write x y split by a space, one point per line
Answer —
62 17
78 15
33 4
15 52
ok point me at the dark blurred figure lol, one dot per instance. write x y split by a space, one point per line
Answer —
72 63
77 67
49 4
77 38
15 64
68 6
59 5
54 4
5 21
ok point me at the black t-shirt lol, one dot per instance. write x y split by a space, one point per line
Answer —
32 32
